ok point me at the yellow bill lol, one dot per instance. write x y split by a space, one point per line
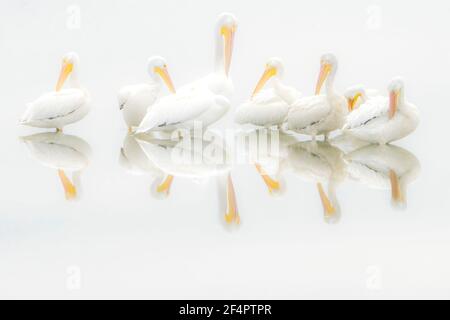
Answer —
228 35
328 207
164 74
323 76
69 188
267 75
232 215
271 184
353 101
66 70
165 186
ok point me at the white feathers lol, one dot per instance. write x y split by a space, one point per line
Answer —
317 115
184 109
58 151
135 100
57 109
63 106
266 109
371 121
373 108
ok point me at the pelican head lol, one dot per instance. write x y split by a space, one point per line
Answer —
396 90
354 95
69 65
227 27
157 66
274 68
328 68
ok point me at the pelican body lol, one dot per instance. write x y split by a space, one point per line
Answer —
382 119
204 101
61 107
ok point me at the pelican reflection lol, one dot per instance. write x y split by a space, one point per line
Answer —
66 154
198 159
384 167
135 161
322 164
268 151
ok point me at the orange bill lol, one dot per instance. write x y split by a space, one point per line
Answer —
397 194
393 104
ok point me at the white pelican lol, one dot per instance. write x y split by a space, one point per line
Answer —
320 114
320 163
270 107
204 101
136 162
384 167
135 100
63 106
383 120
63 153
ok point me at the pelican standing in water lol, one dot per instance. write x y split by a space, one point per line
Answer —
382 119
323 113
135 100
269 107
63 106
384 167
204 101
63 153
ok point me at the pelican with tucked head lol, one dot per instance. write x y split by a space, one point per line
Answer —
204 101
382 119
135 100
62 106
269 107
323 113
